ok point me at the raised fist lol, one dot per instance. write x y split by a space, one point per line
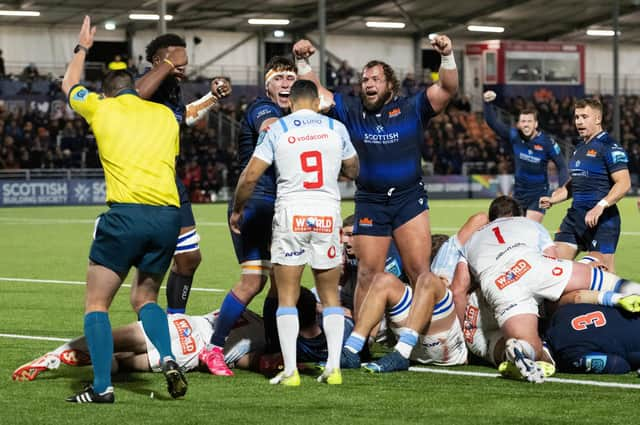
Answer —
303 49
220 87
442 44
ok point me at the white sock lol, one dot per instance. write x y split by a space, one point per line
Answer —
288 328
408 339
333 325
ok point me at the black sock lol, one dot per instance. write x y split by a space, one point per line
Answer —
178 288
270 325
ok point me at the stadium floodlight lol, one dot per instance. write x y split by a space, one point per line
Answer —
110 25
149 17
382 24
601 33
484 28
258 21
278 33
19 13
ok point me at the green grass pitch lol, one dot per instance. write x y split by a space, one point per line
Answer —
51 243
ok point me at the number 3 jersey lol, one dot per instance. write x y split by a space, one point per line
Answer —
307 149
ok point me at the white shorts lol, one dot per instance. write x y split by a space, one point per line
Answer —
522 282
481 331
189 334
307 234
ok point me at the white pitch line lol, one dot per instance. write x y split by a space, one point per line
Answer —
40 338
495 375
74 282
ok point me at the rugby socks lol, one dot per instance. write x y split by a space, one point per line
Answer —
333 326
628 287
230 312
97 330
288 328
355 342
606 281
156 326
408 340
269 309
178 288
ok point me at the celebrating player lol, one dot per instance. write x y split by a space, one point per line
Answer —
387 132
168 56
599 179
532 150
252 243
309 152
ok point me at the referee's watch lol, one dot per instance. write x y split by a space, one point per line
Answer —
80 47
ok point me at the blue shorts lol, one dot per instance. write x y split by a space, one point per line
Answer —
186 213
142 236
380 214
254 240
315 349
602 238
530 200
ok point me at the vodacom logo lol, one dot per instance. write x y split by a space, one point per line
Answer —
331 253
291 139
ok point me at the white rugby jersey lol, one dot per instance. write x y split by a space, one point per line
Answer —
502 239
307 149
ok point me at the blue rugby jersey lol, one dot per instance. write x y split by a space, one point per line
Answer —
591 167
594 338
531 157
260 110
388 142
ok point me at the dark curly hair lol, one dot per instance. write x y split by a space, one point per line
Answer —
389 75
161 42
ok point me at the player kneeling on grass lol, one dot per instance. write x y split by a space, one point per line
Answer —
134 351
309 151
514 260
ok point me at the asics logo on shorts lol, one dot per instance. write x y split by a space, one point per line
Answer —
519 269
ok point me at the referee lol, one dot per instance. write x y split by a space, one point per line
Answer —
137 143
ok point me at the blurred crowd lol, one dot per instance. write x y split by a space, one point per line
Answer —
456 142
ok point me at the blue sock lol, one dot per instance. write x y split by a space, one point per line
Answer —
97 330
355 343
230 312
155 325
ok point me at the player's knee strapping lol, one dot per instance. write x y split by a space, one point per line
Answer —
605 281
262 267
400 311
187 242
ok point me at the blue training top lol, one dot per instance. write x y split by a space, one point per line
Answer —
387 141
594 338
531 156
591 167
260 110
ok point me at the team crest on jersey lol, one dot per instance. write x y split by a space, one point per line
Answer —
312 223
519 269
365 222
592 153
185 334
538 147
379 128
394 112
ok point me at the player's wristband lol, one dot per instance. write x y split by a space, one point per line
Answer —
603 203
165 60
448 61
303 67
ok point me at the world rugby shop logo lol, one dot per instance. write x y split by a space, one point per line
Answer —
519 269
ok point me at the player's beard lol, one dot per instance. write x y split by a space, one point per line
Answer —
375 106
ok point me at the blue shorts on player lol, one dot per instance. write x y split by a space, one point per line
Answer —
253 242
529 200
601 238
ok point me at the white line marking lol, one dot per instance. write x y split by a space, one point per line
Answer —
74 282
495 375
41 338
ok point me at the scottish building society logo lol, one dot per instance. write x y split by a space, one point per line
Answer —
82 193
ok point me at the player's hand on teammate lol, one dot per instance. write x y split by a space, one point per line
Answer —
442 44
489 96
234 222
630 303
87 33
303 49
591 219
220 88
545 202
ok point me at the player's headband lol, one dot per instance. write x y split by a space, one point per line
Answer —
274 73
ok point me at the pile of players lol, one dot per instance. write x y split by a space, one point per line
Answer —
480 291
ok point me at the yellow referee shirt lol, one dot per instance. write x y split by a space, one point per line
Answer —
138 142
